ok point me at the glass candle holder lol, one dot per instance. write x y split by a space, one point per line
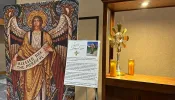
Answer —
131 64
113 71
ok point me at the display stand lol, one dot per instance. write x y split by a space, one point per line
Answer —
82 64
96 93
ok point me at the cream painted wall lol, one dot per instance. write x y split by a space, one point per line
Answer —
2 49
91 8
151 41
87 8
2 57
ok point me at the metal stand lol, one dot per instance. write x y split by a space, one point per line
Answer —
96 93
86 93
64 95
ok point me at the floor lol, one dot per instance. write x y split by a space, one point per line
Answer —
3 88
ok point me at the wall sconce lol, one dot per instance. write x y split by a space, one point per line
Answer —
145 4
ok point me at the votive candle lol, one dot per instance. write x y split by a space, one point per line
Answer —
113 71
131 64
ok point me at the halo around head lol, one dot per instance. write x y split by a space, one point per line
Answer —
37 13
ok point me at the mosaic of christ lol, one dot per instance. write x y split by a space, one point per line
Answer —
36 38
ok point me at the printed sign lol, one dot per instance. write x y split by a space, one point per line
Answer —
82 63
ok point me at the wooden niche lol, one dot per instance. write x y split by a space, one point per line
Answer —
137 87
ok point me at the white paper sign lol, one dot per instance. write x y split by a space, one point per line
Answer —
82 63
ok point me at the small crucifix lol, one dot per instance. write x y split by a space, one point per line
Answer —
76 53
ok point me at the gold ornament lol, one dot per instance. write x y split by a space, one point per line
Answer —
117 40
